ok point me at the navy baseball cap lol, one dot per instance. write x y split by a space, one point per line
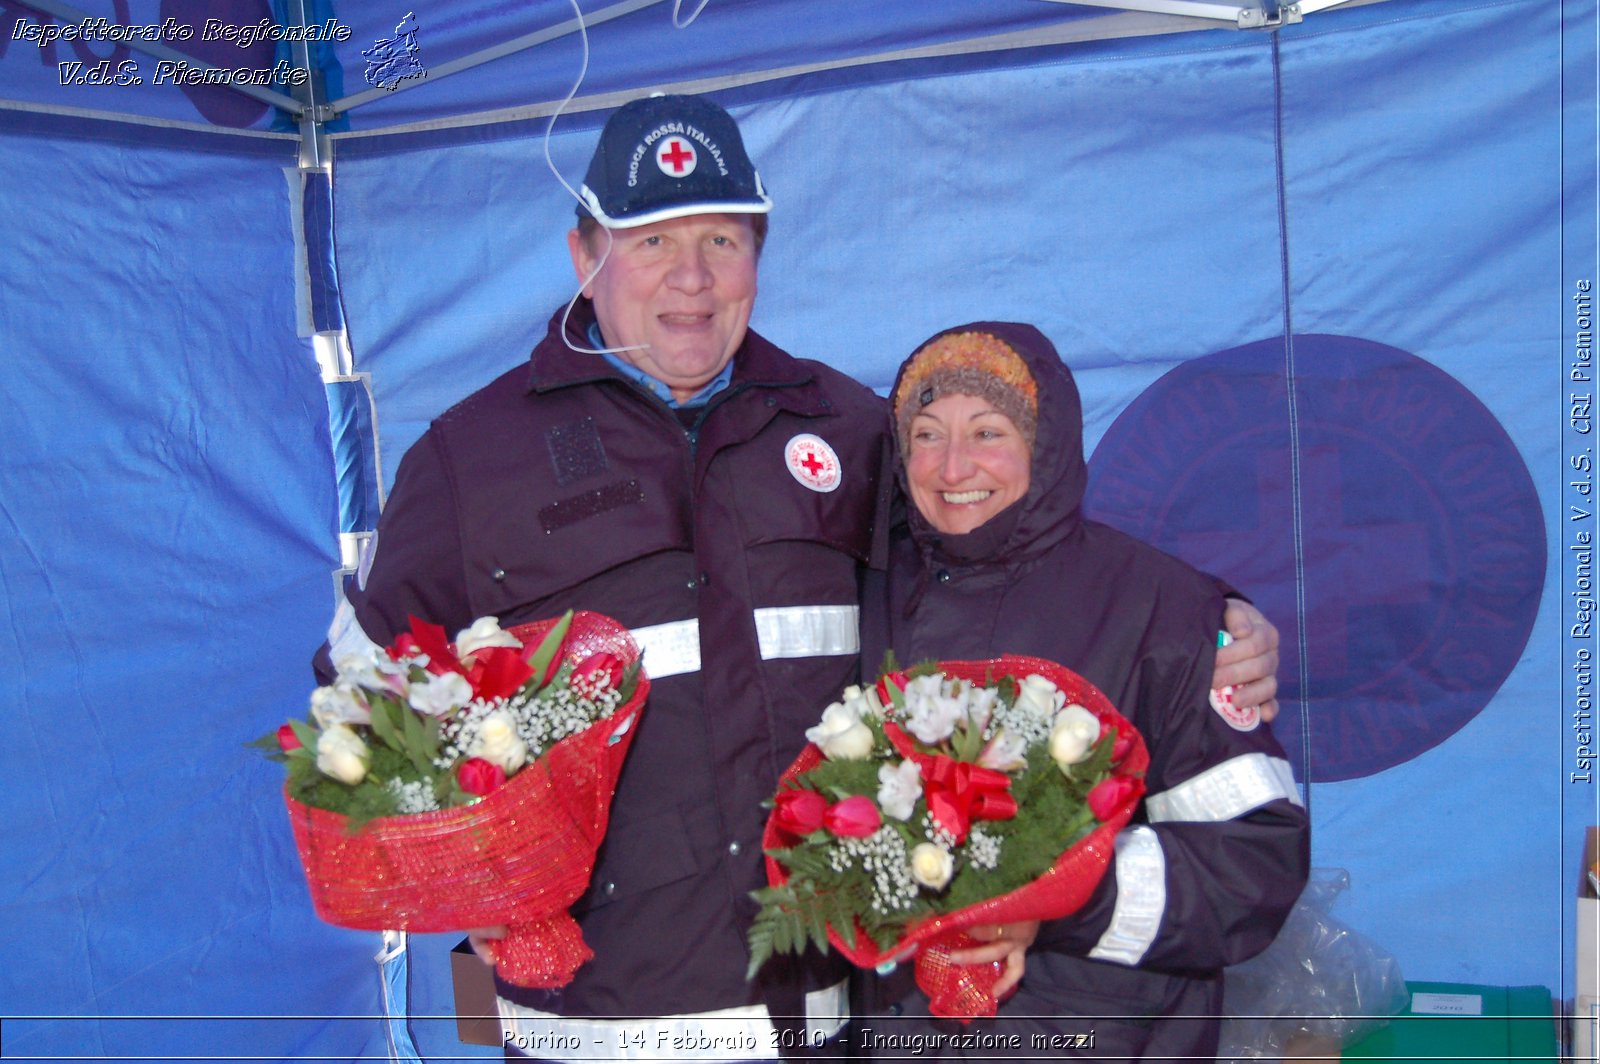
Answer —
664 157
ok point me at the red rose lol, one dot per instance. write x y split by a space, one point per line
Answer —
799 811
480 777
287 739
855 817
600 666
1119 746
1110 793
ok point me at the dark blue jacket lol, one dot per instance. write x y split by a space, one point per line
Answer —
1221 849
560 485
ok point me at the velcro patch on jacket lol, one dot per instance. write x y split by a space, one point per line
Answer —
565 512
576 451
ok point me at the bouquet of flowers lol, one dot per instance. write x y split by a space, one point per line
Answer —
439 786
949 796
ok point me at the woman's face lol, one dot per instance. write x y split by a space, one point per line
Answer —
965 463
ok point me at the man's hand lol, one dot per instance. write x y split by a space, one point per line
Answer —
1250 663
1006 944
481 939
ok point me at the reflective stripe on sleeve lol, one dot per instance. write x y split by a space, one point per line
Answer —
1141 869
1226 791
808 631
670 649
673 649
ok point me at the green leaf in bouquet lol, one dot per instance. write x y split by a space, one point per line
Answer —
840 913
630 680
539 657
966 742
385 721
817 925
306 733
776 928
270 748
841 779
447 791
416 744
1083 776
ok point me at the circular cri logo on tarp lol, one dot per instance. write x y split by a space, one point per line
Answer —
1413 587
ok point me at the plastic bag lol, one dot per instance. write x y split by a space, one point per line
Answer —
1318 979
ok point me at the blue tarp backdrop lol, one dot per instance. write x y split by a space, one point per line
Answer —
1327 288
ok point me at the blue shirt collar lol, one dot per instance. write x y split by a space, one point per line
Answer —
655 387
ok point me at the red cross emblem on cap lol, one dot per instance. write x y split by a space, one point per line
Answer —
812 462
676 157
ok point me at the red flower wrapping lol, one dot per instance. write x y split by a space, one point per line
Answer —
521 856
964 992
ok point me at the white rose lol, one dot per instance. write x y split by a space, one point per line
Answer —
931 711
485 632
1004 753
899 787
342 755
499 743
932 865
863 701
374 670
1040 697
1073 735
841 736
438 696
342 703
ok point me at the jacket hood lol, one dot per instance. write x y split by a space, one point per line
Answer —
1051 509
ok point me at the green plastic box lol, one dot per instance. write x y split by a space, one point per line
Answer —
1461 1022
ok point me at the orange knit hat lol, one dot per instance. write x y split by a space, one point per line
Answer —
968 363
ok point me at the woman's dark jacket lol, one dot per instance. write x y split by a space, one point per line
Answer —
1220 848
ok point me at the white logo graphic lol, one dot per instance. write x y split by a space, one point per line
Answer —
676 157
1239 718
812 462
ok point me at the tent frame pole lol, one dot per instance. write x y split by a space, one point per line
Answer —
488 55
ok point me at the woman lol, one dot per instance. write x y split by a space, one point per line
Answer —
996 557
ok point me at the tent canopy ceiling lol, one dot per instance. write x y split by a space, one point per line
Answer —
485 59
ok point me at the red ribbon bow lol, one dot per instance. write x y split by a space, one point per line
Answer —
958 792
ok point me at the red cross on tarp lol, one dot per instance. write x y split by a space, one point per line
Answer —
677 155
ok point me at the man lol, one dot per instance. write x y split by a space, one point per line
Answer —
660 462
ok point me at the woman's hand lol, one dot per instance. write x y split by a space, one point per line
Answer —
1250 663
1006 944
481 937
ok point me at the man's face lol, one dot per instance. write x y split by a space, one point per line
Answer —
680 291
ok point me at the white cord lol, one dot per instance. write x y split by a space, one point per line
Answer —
549 130
677 5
